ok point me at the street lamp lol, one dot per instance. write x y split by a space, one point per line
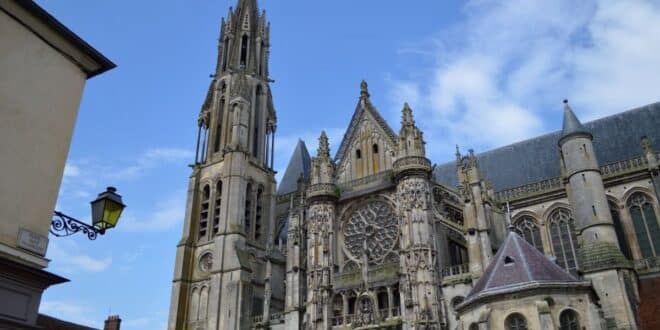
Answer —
106 210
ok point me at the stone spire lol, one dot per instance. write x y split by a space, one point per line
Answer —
406 116
323 167
572 125
323 150
411 141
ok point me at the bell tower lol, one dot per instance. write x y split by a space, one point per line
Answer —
222 271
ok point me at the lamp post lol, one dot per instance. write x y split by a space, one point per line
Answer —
106 210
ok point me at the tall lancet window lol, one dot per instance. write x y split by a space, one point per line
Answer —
257 122
248 209
204 212
219 117
528 229
262 58
244 50
258 217
562 233
618 228
645 223
216 207
225 54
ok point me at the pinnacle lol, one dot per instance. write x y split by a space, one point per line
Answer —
364 89
324 146
406 115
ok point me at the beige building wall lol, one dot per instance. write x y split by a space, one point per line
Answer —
40 91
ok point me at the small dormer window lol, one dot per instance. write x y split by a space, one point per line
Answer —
508 260
358 154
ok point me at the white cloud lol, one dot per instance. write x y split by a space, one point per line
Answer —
502 72
76 312
150 159
161 216
69 257
71 170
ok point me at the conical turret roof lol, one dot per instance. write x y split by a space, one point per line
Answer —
299 164
572 124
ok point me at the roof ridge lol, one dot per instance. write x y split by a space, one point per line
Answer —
520 252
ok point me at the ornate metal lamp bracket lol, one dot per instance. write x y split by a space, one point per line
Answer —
64 225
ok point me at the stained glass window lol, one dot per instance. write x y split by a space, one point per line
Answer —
646 225
530 231
562 233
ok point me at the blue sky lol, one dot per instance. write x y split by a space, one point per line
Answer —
478 73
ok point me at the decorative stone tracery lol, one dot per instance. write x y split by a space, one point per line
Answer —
373 226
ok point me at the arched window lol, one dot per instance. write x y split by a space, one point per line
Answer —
262 58
258 214
645 223
562 233
204 211
358 154
218 127
257 122
456 301
203 303
568 320
248 209
225 53
244 50
374 148
474 326
216 207
193 312
618 228
337 310
530 232
515 322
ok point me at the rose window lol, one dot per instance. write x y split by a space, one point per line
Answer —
372 228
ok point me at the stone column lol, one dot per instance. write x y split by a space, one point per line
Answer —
390 302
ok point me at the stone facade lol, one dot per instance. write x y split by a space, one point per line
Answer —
45 67
379 237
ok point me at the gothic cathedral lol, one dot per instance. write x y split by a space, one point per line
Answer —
561 231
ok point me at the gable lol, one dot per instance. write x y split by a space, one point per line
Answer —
368 146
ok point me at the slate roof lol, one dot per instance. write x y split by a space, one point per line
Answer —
300 162
518 266
616 138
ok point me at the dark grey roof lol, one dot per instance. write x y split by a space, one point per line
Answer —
616 138
518 266
298 164
572 124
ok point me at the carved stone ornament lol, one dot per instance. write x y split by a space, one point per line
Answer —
414 199
320 216
206 262
373 225
365 311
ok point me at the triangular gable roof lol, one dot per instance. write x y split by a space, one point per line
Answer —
298 164
364 105
518 266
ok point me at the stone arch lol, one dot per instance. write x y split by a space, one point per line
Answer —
635 189
569 319
516 321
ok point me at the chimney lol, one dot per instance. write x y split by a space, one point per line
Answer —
112 323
